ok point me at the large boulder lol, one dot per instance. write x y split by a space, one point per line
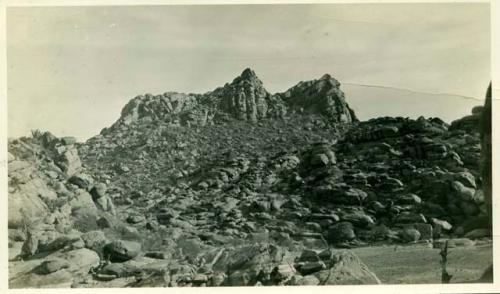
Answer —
346 269
243 264
69 161
57 270
121 250
341 232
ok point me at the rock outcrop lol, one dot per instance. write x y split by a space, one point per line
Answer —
240 187
320 96
245 98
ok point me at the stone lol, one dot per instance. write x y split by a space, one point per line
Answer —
135 219
478 234
17 235
69 161
347 269
409 235
94 240
308 255
358 219
104 222
311 267
320 160
425 230
121 250
68 140
98 191
465 193
410 199
158 254
341 232
443 225
119 270
10 157
298 280
466 178
81 180
52 265
216 279
409 217
30 245
282 272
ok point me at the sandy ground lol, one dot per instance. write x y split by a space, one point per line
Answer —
420 264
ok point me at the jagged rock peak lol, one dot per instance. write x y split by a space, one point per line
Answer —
248 73
246 98
248 77
320 96
326 77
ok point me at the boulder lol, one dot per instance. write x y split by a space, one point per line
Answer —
57 270
358 219
52 265
121 250
69 161
346 269
409 235
341 232
299 280
410 199
410 217
478 234
320 160
465 193
425 230
311 267
81 180
94 240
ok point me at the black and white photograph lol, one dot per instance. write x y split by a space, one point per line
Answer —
271 144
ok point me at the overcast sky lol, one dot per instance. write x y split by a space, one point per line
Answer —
72 69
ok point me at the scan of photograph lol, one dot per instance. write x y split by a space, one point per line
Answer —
226 144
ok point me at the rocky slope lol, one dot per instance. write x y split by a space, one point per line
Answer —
239 187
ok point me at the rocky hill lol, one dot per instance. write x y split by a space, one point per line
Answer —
245 98
239 187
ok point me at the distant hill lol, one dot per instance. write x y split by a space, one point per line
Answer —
375 101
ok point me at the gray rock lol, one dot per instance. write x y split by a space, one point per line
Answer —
320 160
347 269
81 180
52 265
298 280
311 267
341 232
409 217
409 199
409 235
478 233
465 193
121 250
425 230
94 240
308 255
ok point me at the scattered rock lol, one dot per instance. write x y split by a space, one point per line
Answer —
346 269
121 250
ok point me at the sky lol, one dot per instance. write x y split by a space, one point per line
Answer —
70 70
